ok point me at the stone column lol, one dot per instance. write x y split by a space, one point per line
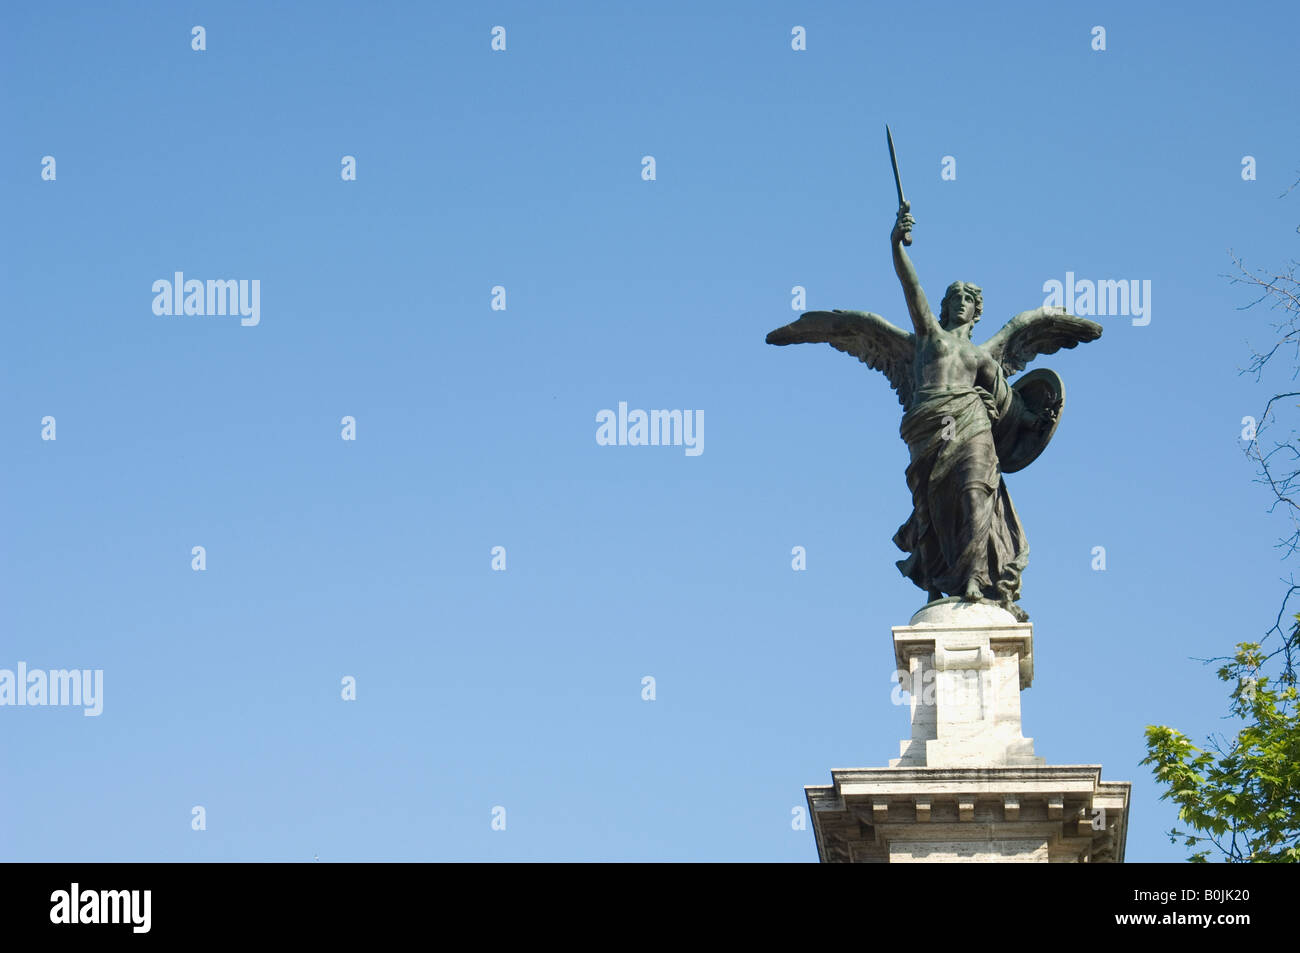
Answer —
967 785
964 667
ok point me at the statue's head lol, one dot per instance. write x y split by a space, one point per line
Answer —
963 303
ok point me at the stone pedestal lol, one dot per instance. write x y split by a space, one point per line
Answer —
967 785
964 667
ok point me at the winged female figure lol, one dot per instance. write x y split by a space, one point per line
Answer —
963 424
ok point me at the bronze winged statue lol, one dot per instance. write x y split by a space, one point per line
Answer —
964 426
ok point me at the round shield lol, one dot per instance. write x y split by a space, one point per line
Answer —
1043 394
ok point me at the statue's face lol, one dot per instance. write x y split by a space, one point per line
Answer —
959 305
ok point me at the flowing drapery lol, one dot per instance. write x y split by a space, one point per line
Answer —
963 525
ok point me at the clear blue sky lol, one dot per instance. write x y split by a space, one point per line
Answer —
476 428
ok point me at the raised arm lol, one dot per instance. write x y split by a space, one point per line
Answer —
922 319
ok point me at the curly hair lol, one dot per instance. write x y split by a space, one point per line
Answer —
957 287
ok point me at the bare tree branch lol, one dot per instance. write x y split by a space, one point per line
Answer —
1278 467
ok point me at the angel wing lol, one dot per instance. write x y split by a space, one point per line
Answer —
1041 331
868 337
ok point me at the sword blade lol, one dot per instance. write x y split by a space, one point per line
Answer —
893 159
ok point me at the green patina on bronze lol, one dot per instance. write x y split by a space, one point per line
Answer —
963 424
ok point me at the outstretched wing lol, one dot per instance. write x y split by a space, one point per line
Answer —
868 337
1041 331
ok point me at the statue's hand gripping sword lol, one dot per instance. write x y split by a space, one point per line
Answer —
903 205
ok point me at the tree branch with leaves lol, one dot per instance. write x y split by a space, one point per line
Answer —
1240 797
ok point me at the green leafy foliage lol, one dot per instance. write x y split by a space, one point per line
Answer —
1241 799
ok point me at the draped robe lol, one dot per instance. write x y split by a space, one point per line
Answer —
948 540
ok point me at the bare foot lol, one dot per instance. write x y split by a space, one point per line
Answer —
973 592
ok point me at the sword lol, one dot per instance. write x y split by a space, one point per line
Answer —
903 205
